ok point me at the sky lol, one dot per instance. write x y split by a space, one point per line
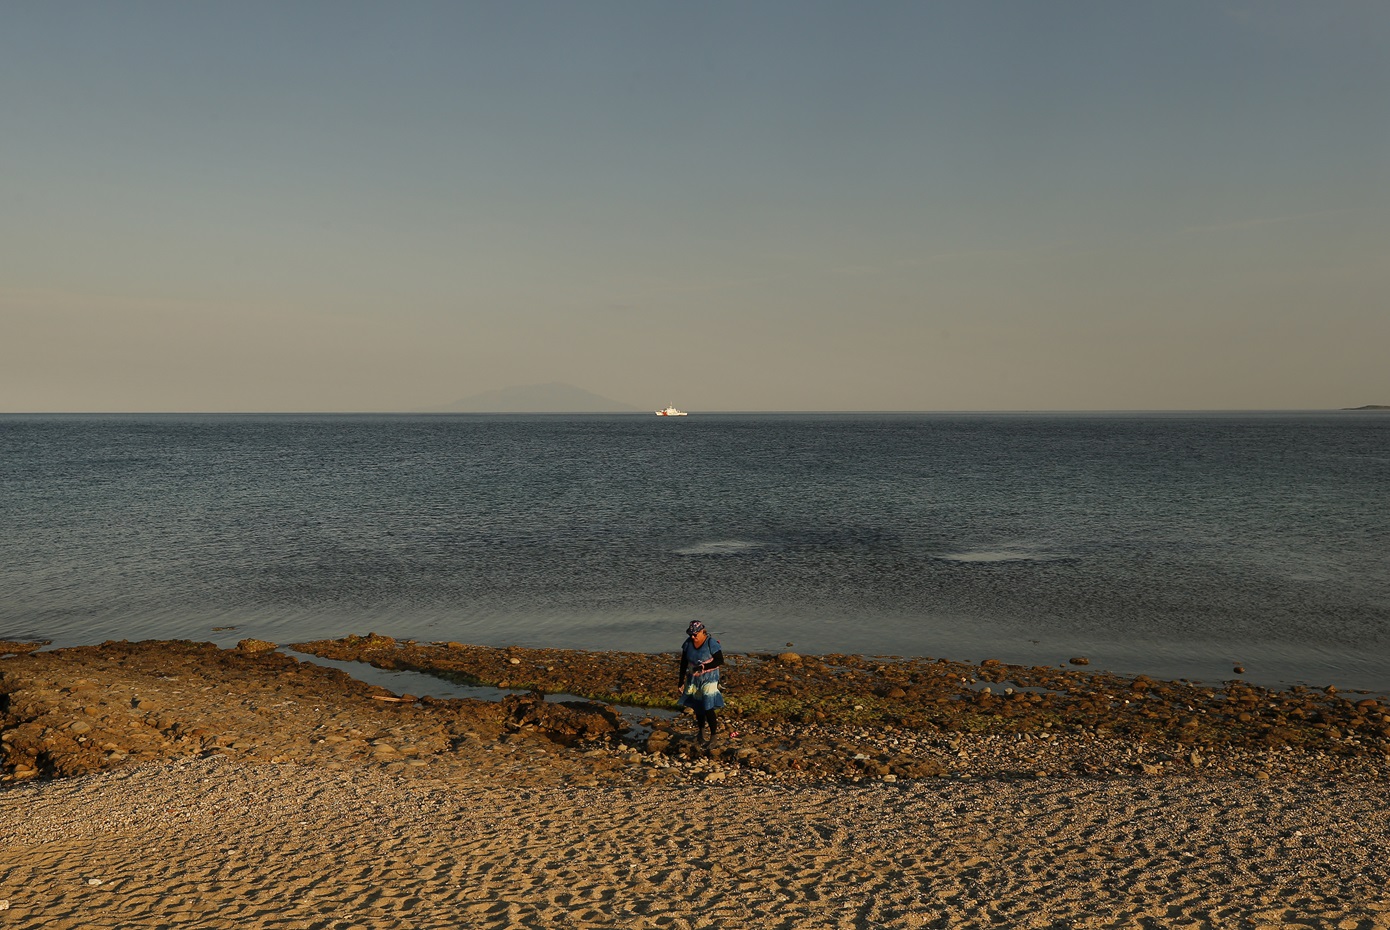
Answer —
339 206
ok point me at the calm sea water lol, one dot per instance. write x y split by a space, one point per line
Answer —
1173 544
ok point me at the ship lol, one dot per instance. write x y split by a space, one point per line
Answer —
671 412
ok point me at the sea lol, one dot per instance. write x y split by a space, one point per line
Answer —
1180 545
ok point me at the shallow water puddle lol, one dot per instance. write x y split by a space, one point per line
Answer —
423 684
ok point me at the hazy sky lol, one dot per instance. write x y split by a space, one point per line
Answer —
268 206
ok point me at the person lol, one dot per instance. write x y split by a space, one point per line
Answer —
701 657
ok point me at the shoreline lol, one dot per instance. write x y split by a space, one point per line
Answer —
836 717
1205 665
242 786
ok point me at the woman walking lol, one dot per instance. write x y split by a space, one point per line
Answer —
701 657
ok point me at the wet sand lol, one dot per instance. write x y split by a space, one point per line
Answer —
177 784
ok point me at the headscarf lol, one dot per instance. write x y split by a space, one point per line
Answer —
696 632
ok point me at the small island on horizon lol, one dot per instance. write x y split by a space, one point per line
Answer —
1370 407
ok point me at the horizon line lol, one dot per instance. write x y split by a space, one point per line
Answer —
726 412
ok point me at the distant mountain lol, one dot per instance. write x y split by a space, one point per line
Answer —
555 397
1370 407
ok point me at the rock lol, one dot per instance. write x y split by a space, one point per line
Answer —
1239 669
1079 660
12 648
789 658
565 723
252 646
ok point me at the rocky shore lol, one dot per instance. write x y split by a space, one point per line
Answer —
789 717
848 791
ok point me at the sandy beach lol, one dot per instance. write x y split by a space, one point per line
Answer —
176 784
